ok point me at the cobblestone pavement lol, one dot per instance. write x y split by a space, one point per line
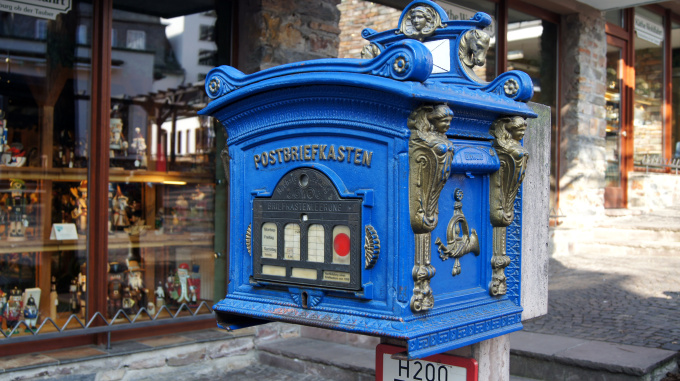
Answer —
617 294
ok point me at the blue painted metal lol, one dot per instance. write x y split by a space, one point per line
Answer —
291 117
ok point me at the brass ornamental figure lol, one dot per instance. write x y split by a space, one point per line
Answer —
460 239
505 183
472 50
420 23
430 157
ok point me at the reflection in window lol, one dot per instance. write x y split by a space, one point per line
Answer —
40 29
207 57
136 39
207 33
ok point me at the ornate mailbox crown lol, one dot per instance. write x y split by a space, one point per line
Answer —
341 169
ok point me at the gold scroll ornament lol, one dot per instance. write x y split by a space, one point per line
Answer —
505 184
430 156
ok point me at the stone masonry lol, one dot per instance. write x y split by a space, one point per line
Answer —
278 32
356 15
582 143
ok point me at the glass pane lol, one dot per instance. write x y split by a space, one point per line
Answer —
675 58
615 17
315 243
291 242
613 117
162 189
44 124
649 92
533 48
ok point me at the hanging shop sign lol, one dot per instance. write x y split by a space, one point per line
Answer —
46 9
648 30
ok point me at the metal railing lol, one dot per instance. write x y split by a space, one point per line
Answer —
99 324
657 161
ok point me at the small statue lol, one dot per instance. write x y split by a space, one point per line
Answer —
31 313
17 209
115 289
74 304
118 145
14 308
14 155
159 221
54 299
160 295
199 202
171 293
120 210
185 291
139 147
128 303
82 290
79 213
138 293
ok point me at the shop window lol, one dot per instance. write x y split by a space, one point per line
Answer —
615 17
648 120
675 106
136 39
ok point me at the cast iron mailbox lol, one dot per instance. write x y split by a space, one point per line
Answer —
378 195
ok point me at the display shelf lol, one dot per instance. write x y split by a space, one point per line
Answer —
116 175
116 241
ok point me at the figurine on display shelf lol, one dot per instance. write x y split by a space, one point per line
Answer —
54 299
159 222
139 147
31 313
79 213
3 305
14 155
138 293
196 281
81 154
73 300
199 203
14 308
170 292
18 220
120 210
65 152
117 145
82 289
160 295
179 214
184 289
115 288
128 303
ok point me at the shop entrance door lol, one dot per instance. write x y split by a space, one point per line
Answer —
618 127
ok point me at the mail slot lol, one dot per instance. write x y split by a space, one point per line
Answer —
379 195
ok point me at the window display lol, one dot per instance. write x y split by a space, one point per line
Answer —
160 225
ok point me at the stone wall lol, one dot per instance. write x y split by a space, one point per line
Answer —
278 32
650 191
582 161
356 15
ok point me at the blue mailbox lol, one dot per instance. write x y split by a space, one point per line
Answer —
379 195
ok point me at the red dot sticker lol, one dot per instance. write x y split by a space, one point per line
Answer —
341 244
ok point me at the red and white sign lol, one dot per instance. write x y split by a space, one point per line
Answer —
439 367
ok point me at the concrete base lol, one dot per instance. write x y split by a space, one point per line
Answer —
549 357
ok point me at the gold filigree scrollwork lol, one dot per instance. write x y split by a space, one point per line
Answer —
505 183
460 239
371 247
430 156
420 22
249 239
